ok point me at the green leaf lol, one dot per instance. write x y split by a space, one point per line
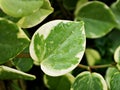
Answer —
109 74
116 10
115 81
79 4
10 73
3 15
114 40
98 18
92 56
20 8
23 61
69 4
36 17
89 81
60 54
63 82
12 40
117 55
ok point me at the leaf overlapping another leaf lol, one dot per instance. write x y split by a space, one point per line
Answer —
98 18
64 46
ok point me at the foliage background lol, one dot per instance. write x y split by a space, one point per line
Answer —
64 9
101 44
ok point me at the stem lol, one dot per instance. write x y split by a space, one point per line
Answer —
96 67
2 85
23 55
101 66
83 66
22 84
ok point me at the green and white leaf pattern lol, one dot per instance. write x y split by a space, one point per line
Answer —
98 18
109 73
117 55
7 73
89 81
12 40
36 17
60 48
20 8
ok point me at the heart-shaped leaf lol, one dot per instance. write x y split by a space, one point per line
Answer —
36 17
63 82
10 73
20 8
98 18
12 40
58 46
89 81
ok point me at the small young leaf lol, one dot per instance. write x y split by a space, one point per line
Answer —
10 73
20 8
117 55
36 17
89 81
116 10
109 73
12 40
92 56
61 54
98 18
23 61
59 83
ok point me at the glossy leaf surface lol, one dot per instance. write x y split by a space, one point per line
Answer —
12 40
52 46
20 8
36 17
89 81
98 18
113 78
116 10
109 73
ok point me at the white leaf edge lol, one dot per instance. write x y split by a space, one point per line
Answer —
94 74
45 31
116 56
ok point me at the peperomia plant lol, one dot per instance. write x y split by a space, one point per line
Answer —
78 54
